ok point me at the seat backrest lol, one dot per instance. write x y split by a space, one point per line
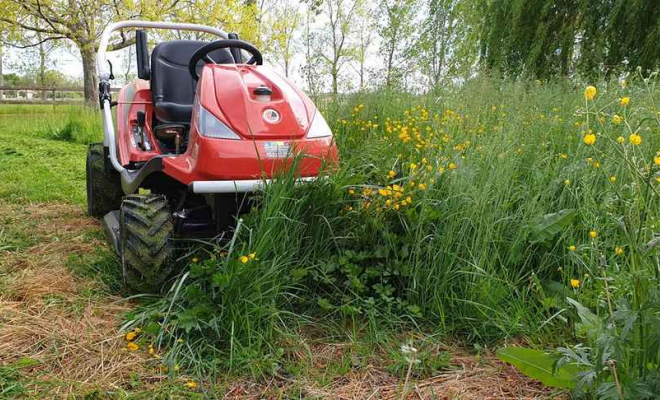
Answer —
172 87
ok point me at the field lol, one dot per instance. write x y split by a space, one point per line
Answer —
492 215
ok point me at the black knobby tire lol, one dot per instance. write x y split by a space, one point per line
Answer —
145 246
104 191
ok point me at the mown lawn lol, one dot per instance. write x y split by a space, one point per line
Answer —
34 167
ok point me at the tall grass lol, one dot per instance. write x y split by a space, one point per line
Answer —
472 213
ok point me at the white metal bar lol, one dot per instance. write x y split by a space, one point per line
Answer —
109 136
241 186
102 61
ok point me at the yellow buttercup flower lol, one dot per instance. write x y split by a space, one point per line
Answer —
130 336
191 385
590 92
132 346
589 139
624 101
572 248
656 160
593 234
452 166
351 191
635 139
621 140
567 182
391 174
612 178
413 166
253 256
244 259
575 283
618 251
617 119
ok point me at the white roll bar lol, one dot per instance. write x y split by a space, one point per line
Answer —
104 73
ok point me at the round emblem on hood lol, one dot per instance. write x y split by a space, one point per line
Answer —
271 116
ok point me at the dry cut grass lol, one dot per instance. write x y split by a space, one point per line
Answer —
48 315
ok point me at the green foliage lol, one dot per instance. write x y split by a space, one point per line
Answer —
10 377
540 365
482 252
550 38
550 225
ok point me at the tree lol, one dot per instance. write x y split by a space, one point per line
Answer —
2 77
367 26
334 43
80 21
549 38
438 45
284 21
310 70
397 31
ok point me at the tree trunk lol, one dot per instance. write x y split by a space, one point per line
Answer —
90 75
2 79
334 71
42 68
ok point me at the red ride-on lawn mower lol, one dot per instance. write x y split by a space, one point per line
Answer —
201 129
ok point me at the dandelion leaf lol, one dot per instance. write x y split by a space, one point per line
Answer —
549 225
539 365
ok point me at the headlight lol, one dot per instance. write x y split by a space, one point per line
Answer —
208 125
319 127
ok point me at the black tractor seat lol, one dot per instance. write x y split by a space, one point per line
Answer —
172 87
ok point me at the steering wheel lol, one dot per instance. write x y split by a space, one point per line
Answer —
203 53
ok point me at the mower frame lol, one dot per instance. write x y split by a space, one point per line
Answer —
109 137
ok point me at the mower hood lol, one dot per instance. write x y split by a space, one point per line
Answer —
286 113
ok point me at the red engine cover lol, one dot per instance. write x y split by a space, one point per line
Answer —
227 92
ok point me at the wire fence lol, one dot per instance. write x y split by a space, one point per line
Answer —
42 95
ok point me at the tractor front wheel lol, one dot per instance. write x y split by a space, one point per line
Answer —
145 245
103 186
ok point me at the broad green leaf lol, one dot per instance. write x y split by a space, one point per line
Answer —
549 225
538 365
590 323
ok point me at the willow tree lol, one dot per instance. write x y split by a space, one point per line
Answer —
545 38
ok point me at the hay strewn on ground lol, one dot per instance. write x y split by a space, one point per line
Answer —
48 314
